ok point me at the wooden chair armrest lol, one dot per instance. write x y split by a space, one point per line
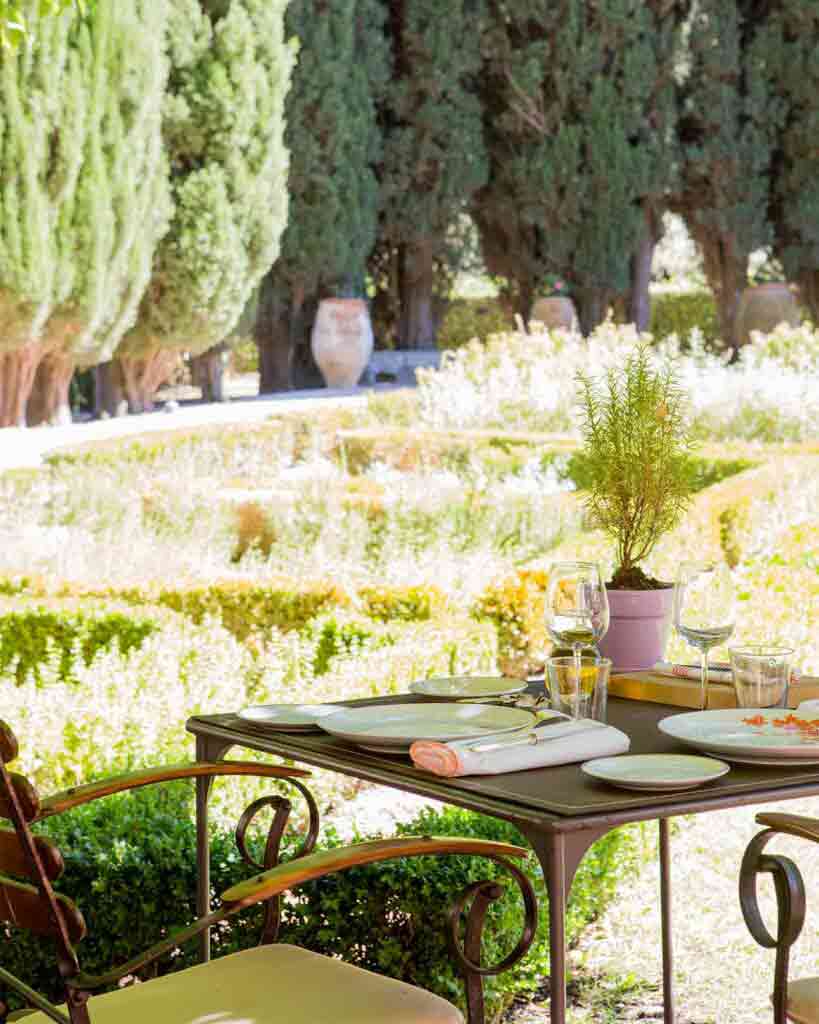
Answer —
327 862
792 825
78 795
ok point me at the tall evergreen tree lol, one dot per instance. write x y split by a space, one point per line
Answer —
83 187
224 136
729 117
791 43
580 123
434 155
334 142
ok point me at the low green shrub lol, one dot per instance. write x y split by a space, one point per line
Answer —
402 604
33 637
472 318
682 312
333 638
131 866
247 608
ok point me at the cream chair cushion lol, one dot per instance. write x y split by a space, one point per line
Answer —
270 985
803 1001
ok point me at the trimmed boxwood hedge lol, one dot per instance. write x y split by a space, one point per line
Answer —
30 638
131 866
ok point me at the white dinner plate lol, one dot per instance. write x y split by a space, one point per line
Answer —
649 773
392 728
771 762
289 717
474 687
747 732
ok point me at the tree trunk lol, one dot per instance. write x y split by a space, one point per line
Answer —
808 281
592 307
274 340
208 373
17 372
143 376
639 312
726 269
49 401
109 389
417 327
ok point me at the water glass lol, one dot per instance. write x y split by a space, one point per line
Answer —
583 696
761 674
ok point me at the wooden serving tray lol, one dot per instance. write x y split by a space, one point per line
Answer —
685 693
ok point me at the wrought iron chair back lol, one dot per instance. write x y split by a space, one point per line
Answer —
30 864
790 898
35 907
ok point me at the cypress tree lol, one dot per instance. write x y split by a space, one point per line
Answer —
334 141
791 43
579 116
223 128
434 157
83 186
729 116
13 17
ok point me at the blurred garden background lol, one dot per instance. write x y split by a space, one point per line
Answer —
183 183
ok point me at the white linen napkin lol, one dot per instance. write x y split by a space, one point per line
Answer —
566 743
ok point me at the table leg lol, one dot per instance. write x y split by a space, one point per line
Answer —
558 898
560 854
669 1012
202 853
206 750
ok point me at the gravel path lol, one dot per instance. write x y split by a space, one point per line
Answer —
25 447
722 976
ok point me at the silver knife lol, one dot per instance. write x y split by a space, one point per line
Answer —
531 738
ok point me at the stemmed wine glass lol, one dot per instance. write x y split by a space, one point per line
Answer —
577 609
704 611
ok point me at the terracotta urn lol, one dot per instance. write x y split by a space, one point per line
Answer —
639 621
342 341
558 311
763 308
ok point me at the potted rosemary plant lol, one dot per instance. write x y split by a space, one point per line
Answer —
635 468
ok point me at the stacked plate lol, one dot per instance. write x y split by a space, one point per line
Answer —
771 736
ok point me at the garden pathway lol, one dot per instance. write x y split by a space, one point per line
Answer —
25 448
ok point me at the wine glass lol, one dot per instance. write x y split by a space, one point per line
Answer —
704 611
577 609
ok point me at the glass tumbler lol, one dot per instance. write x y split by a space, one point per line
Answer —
761 673
583 698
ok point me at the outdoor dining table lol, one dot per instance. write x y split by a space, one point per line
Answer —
560 810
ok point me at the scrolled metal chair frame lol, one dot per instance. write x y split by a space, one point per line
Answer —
791 904
469 910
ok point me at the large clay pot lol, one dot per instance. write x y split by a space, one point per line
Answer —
556 312
638 628
342 341
763 308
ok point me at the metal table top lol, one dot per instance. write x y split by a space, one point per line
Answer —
554 799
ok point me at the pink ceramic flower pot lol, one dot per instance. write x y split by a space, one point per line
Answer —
638 628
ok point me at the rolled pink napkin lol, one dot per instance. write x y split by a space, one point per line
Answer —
566 743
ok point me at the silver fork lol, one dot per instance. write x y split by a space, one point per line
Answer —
531 734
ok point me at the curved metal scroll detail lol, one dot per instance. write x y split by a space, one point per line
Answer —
272 850
790 901
481 895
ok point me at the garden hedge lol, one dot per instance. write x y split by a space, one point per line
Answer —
33 637
131 867
682 312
